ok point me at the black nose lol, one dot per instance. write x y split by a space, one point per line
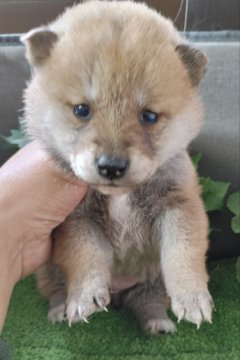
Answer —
111 167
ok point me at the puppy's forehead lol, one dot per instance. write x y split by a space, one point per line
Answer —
120 55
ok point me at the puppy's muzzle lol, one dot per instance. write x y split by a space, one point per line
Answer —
112 168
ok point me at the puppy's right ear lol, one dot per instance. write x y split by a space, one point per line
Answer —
39 43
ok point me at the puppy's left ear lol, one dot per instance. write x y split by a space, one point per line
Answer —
194 60
39 43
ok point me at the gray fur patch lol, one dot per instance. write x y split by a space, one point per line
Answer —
195 61
39 43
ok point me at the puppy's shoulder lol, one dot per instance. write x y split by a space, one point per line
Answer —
94 207
167 187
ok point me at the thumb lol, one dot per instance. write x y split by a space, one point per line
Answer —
70 192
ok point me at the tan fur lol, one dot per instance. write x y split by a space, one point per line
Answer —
121 58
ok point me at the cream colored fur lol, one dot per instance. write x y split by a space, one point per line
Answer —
120 57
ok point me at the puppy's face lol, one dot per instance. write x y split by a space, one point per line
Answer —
112 95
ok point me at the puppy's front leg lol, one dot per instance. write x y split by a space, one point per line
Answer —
85 257
184 231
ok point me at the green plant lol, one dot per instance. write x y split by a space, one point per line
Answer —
17 138
238 269
233 204
213 192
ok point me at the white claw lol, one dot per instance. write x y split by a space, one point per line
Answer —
181 316
69 323
178 310
105 309
85 319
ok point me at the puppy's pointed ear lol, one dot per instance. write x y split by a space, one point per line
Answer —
39 43
194 60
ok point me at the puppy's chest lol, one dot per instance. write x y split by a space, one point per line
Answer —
128 226
119 209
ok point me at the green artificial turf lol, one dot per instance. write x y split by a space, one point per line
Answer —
115 335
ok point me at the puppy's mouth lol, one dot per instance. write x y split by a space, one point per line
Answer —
111 188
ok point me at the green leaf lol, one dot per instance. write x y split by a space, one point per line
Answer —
213 193
238 269
235 224
17 139
196 159
233 203
212 230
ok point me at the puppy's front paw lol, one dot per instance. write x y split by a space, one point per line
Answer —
86 300
159 326
195 307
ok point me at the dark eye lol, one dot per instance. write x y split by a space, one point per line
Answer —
149 117
82 111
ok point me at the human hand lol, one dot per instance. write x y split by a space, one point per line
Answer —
35 198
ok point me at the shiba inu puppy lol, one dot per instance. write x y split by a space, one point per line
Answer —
114 99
